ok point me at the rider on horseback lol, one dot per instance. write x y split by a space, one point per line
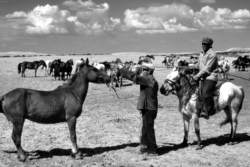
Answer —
207 65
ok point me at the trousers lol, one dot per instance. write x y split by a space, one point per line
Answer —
206 96
147 137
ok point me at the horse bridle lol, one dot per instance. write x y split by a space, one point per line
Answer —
176 84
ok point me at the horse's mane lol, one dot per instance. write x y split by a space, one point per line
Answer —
70 81
191 88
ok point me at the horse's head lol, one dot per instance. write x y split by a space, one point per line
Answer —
177 81
93 74
42 62
70 62
171 83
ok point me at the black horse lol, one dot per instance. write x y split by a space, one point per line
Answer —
64 104
58 67
241 63
68 68
30 65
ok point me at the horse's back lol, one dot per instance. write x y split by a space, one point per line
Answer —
37 106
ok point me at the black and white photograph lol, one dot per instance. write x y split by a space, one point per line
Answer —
124 83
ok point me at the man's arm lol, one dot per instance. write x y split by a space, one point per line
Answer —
134 77
209 67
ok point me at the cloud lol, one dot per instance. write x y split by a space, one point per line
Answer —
89 18
207 1
177 18
79 17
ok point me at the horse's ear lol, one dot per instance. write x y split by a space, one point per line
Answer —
87 61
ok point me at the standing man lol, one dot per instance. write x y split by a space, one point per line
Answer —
147 105
207 65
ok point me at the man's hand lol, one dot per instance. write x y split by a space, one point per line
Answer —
196 78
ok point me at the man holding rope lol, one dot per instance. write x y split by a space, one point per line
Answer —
207 65
147 105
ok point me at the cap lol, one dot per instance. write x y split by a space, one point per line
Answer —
148 66
207 40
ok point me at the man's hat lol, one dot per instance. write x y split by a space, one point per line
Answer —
207 40
148 66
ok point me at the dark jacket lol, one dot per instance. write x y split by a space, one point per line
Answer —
148 89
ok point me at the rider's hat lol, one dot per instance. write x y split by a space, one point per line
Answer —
207 40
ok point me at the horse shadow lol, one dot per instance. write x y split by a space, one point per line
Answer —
219 141
41 154
224 139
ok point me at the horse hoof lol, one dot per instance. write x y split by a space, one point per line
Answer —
199 147
22 158
231 143
78 155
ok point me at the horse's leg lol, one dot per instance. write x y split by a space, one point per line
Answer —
197 130
16 137
186 122
234 124
120 82
72 129
35 72
22 73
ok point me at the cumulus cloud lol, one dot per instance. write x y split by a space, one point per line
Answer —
87 17
90 18
176 18
207 1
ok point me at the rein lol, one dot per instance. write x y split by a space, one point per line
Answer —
177 86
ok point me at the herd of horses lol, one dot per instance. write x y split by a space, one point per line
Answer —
64 104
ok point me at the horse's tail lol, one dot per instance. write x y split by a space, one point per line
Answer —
227 120
19 68
242 98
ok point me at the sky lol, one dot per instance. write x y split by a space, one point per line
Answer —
111 26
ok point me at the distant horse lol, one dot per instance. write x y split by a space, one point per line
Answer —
30 65
64 104
229 98
48 66
180 63
192 60
57 67
224 68
168 61
117 76
146 59
240 63
107 65
68 67
78 64
98 65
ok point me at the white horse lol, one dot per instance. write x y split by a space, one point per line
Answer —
229 98
77 64
48 66
224 68
98 65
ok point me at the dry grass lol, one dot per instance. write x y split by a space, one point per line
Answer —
108 128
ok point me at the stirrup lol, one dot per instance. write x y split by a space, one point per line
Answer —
204 114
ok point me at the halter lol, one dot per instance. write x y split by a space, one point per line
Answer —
176 86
